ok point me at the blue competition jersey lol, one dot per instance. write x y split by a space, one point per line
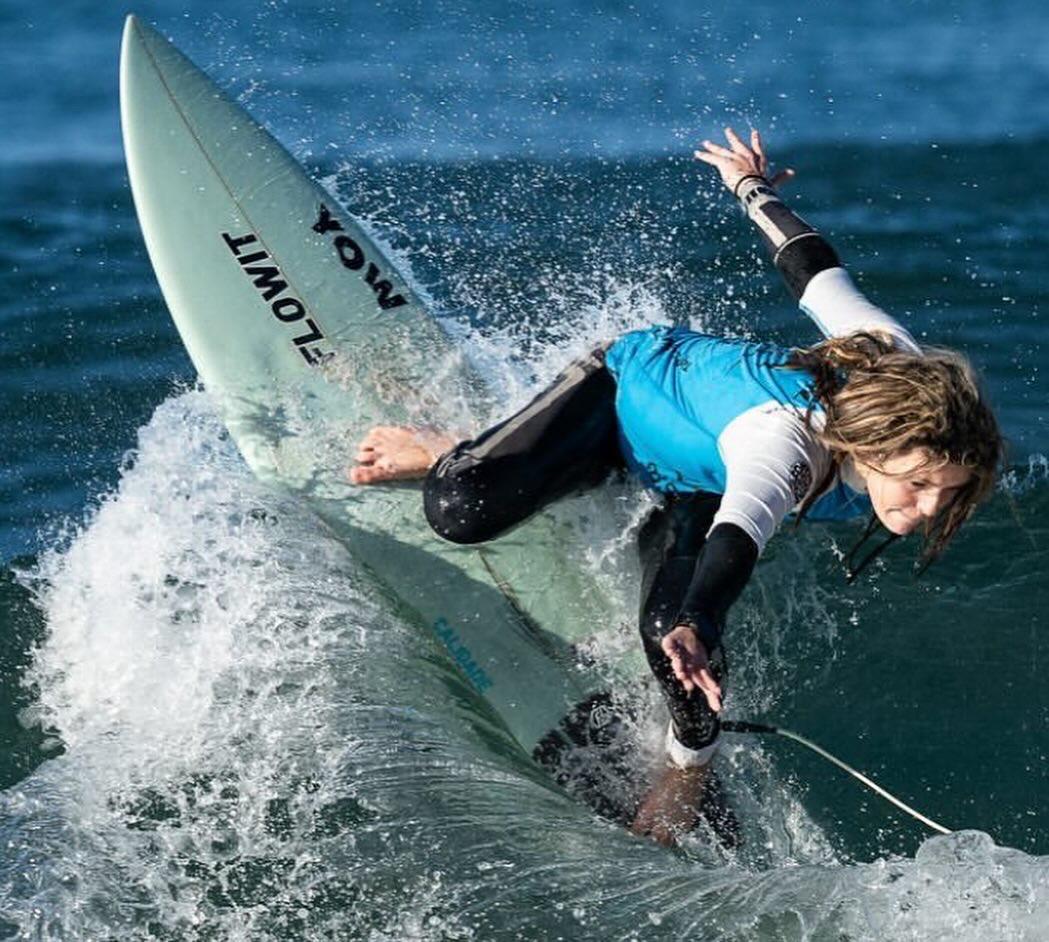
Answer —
678 391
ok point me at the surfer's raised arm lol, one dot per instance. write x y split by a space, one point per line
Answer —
808 263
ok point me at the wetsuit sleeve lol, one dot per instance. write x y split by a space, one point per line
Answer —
811 269
722 570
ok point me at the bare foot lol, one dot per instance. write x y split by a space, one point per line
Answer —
671 807
398 453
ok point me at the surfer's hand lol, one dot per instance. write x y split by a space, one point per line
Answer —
738 160
691 665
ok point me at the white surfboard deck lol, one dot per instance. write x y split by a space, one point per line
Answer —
306 335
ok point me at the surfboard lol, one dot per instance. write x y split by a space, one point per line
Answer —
306 334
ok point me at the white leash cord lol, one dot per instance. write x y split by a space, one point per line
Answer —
731 726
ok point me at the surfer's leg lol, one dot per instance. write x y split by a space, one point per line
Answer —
670 543
564 440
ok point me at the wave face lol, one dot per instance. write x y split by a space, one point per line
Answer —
248 739
214 725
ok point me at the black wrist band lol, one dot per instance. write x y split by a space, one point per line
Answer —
744 179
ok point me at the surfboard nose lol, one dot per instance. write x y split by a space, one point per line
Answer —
132 26
140 37
130 42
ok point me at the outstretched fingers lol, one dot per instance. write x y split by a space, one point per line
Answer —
738 160
733 162
717 150
738 147
758 147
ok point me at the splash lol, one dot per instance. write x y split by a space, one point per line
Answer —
1021 480
259 745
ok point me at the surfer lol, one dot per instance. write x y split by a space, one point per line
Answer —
734 436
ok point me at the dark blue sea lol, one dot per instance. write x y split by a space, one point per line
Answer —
213 725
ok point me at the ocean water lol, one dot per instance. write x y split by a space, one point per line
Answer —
214 726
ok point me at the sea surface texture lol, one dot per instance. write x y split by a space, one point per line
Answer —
214 725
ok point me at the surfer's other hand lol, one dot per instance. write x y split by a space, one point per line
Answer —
738 160
690 663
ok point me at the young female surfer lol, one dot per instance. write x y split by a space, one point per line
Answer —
735 436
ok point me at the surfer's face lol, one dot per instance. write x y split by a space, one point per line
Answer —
906 493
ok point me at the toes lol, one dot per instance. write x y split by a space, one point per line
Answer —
369 474
377 441
374 472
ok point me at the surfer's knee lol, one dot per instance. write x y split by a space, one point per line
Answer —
454 520
453 510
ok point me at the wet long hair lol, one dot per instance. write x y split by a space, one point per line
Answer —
879 402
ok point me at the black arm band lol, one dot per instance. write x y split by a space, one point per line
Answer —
722 570
798 251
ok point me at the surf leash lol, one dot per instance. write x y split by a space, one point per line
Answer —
743 726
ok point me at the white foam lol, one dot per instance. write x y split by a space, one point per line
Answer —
195 625
253 734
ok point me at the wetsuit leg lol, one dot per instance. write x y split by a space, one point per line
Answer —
564 440
670 543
